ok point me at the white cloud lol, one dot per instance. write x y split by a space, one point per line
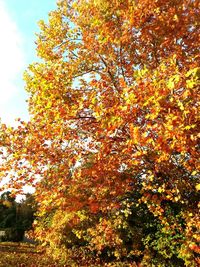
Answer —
12 64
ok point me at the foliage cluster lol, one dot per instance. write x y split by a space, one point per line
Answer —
112 146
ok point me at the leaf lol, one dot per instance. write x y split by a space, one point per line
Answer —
193 72
198 187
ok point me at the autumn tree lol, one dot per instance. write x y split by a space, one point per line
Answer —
113 133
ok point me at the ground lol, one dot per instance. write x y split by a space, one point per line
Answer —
23 255
13 254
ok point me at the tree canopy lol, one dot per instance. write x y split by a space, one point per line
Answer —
112 146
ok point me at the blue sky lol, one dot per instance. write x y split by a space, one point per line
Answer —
18 25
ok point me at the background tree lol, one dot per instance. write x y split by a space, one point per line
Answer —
114 110
15 217
26 209
7 210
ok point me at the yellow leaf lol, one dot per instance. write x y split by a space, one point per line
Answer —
180 104
175 18
176 199
170 84
194 172
190 84
193 72
160 190
198 187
